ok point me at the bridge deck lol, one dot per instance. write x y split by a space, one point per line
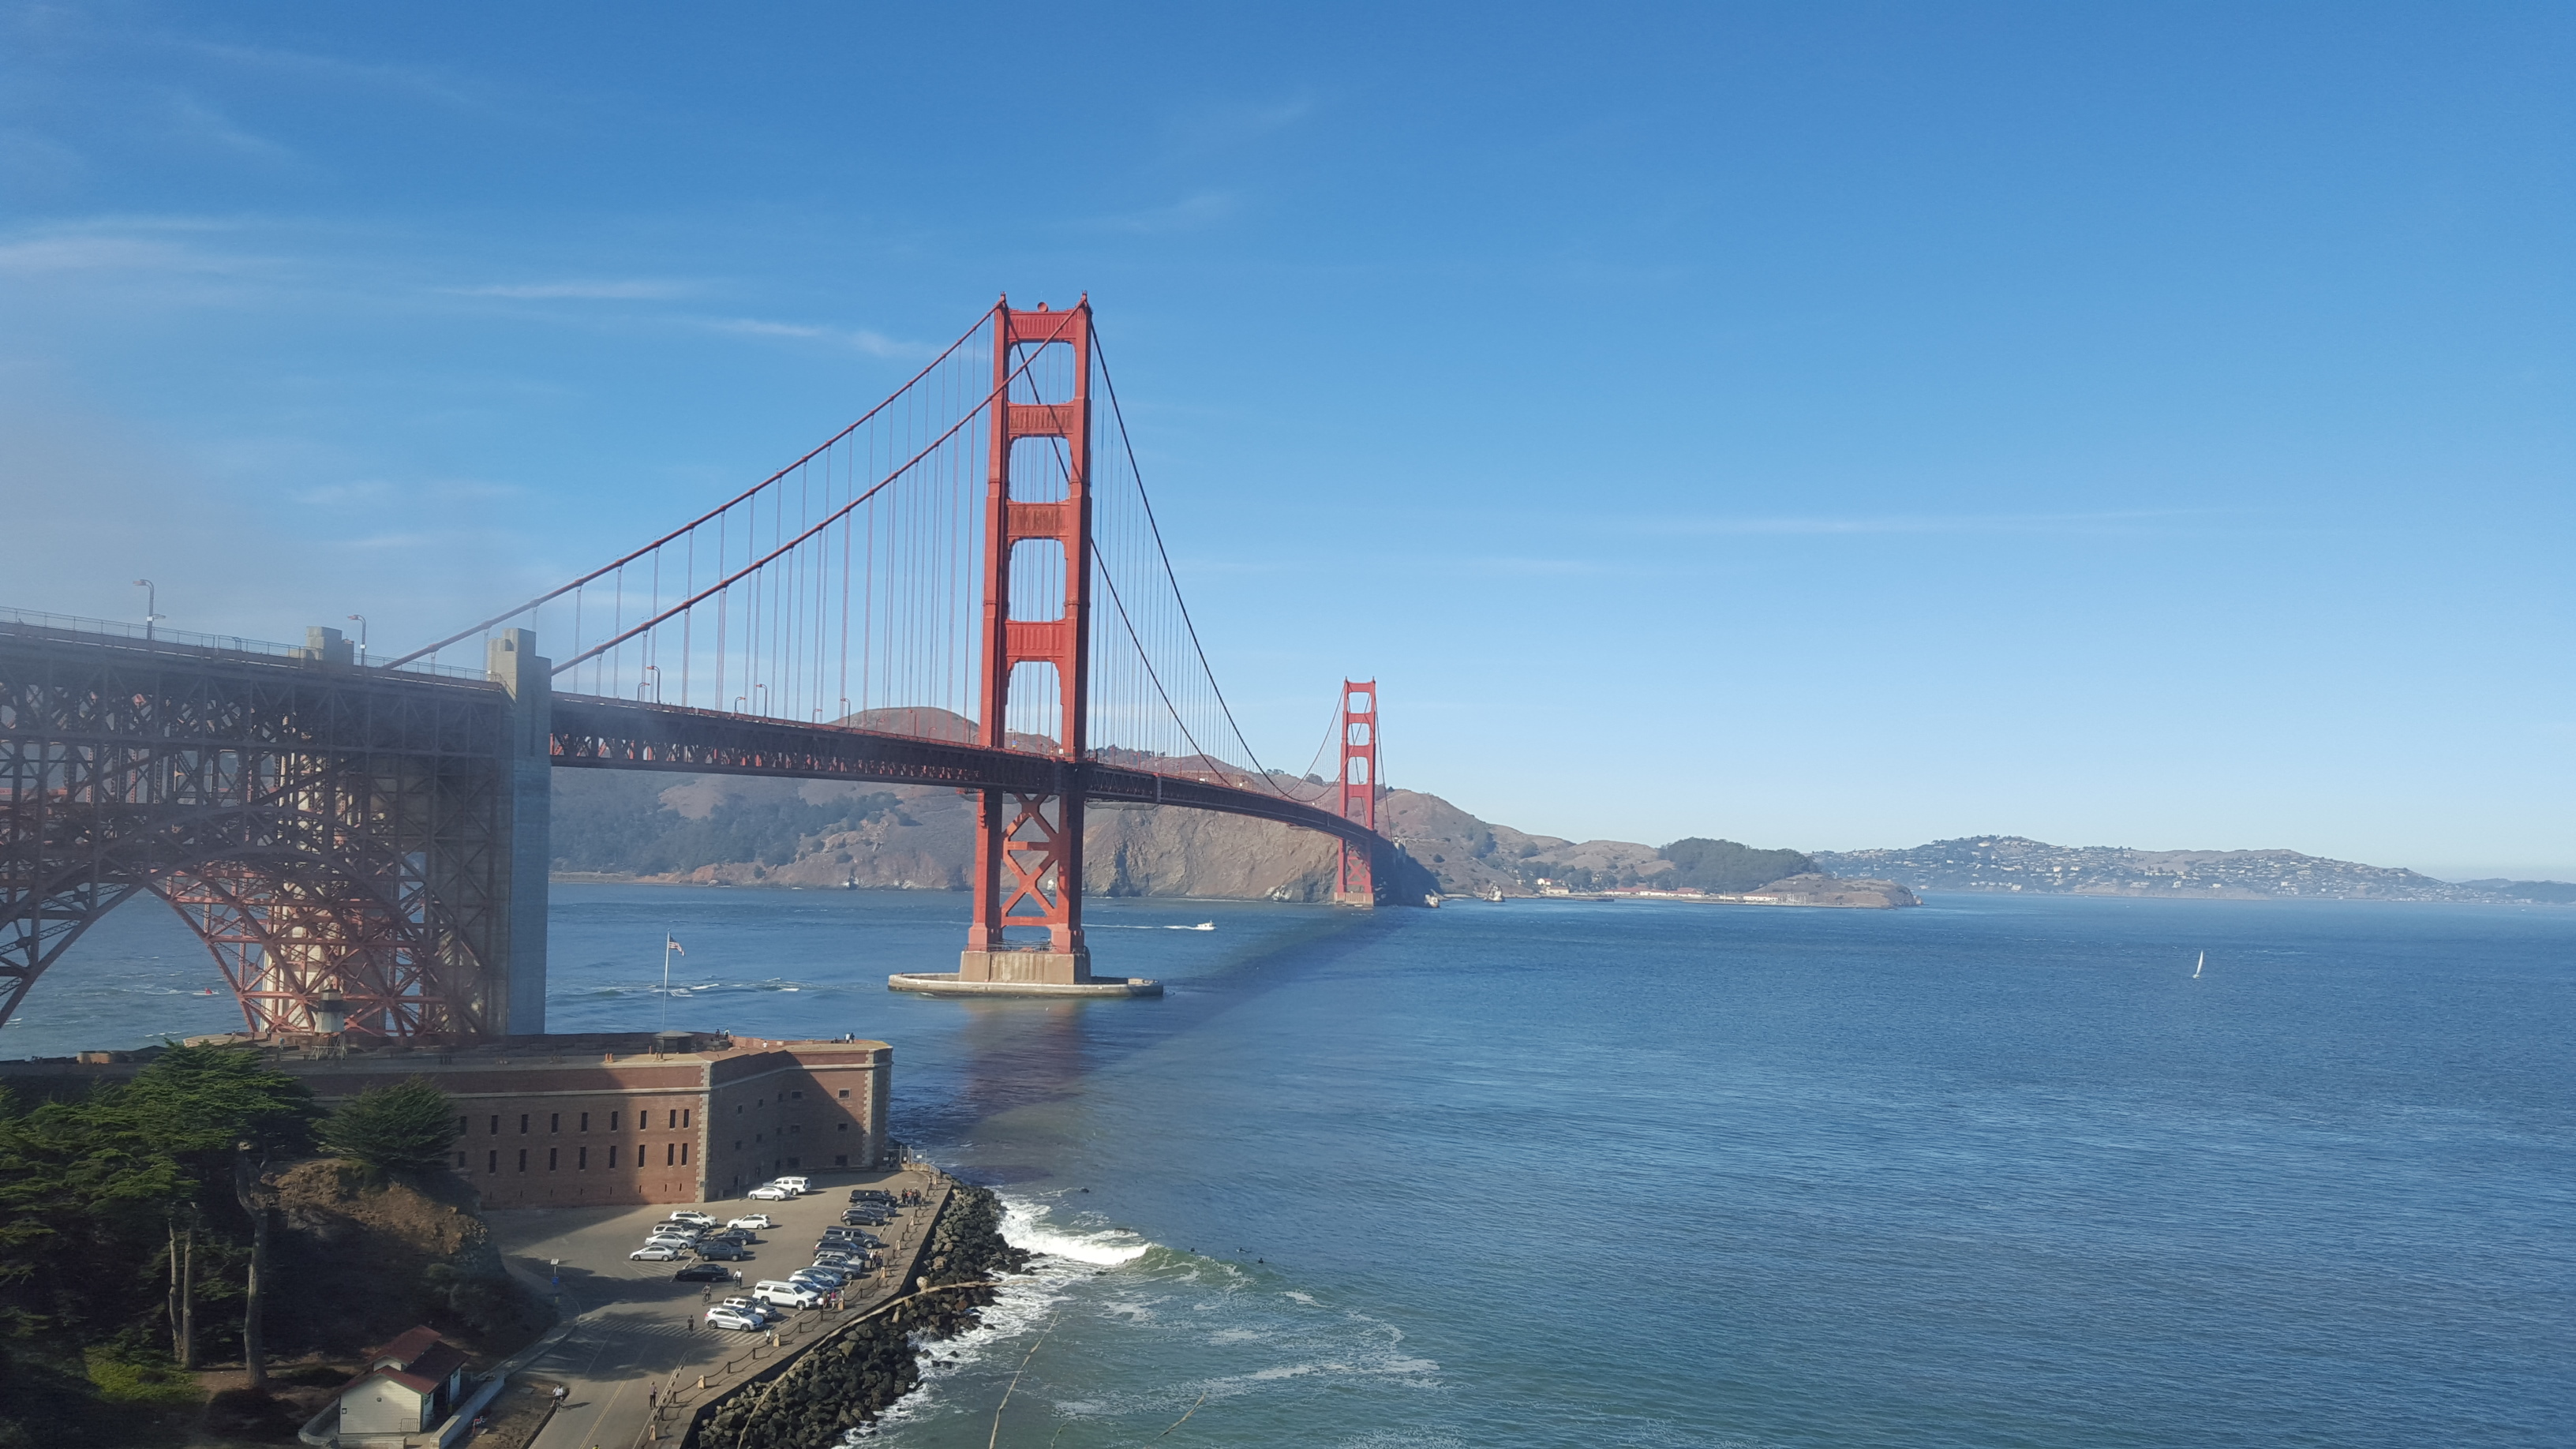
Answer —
614 734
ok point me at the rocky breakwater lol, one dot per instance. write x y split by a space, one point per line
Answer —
848 1380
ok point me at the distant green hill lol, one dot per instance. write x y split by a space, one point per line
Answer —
2543 892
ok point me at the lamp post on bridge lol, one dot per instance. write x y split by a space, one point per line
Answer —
151 606
361 621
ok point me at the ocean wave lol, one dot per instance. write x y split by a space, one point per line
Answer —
1022 1306
1025 1225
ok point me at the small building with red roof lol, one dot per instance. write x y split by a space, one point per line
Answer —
413 1387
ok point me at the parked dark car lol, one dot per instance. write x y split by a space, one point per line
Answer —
718 1250
703 1273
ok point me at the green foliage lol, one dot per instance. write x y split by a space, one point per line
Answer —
204 1101
90 1188
117 1379
404 1128
1725 867
607 820
50 1400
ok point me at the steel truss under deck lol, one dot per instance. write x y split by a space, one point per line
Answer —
317 825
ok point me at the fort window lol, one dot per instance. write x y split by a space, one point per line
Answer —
612 1121
460 1126
845 1091
684 1154
554 1121
799 1096
460 1162
841 1160
686 1113
523 1124
496 1126
612 1157
552 1153
581 1160
841 1127
492 1160
585 1121
675 1118
523 1159
670 1153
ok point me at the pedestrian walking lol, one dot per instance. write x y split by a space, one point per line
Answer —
652 1394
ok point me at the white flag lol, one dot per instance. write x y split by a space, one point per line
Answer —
674 944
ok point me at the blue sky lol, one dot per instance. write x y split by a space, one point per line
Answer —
1818 425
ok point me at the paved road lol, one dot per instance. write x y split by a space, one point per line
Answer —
633 1327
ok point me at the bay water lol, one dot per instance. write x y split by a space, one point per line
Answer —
1993 1172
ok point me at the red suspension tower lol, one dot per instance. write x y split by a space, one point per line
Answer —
1028 847
1359 788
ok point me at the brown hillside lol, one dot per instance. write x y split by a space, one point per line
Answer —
356 1265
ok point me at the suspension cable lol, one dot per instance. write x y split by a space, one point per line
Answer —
1155 527
764 560
944 355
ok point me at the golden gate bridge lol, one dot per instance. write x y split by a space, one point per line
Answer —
965 587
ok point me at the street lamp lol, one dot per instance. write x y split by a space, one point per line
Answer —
151 606
362 637
654 683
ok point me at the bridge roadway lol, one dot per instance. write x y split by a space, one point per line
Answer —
592 732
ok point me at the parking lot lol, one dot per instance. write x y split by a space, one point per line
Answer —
636 1329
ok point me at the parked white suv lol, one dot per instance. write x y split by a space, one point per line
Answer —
785 1295
798 1185
770 1192
692 1218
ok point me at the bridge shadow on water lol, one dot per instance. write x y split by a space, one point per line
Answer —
1006 1056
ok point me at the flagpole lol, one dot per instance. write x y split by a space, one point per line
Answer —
666 982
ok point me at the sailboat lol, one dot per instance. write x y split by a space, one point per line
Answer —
2196 965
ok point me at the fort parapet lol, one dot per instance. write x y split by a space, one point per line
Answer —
598 1120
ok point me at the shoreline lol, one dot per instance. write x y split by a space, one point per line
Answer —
848 1380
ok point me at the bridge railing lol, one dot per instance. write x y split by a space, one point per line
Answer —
154 636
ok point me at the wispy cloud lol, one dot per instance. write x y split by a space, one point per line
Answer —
368 493
116 251
859 339
1190 213
197 121
357 75
1218 128
2111 521
586 289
